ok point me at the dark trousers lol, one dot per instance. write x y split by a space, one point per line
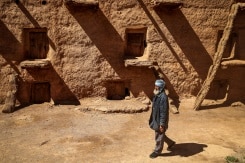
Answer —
160 138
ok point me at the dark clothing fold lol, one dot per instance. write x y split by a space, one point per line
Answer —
160 117
160 112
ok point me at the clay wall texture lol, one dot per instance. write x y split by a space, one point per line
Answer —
87 47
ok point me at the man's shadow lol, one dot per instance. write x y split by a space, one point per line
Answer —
185 149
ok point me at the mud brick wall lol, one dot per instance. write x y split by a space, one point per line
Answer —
87 44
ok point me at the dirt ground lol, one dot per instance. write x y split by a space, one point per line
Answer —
66 133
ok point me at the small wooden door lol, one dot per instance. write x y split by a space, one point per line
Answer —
38 45
40 93
116 90
218 89
135 44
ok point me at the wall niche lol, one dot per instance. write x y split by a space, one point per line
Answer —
135 41
40 92
117 90
36 43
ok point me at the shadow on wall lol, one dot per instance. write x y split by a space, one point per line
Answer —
10 47
173 94
160 32
58 91
158 75
102 34
110 44
33 21
187 39
144 81
12 50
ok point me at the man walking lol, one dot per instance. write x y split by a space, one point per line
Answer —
159 118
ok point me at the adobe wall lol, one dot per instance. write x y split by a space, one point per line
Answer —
87 46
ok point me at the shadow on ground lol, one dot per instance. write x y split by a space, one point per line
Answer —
186 149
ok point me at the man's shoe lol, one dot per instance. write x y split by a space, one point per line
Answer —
170 146
154 155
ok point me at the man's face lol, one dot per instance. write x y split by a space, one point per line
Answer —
156 90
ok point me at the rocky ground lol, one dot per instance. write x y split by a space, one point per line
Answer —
90 132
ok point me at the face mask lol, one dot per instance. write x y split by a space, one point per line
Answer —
156 92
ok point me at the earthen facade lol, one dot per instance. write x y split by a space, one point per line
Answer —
64 50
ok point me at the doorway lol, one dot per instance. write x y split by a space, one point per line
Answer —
40 92
135 41
36 43
117 90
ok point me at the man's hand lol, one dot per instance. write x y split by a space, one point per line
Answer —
161 128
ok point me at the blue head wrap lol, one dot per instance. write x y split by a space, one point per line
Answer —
160 83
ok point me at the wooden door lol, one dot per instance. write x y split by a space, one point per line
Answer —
38 45
116 90
135 44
